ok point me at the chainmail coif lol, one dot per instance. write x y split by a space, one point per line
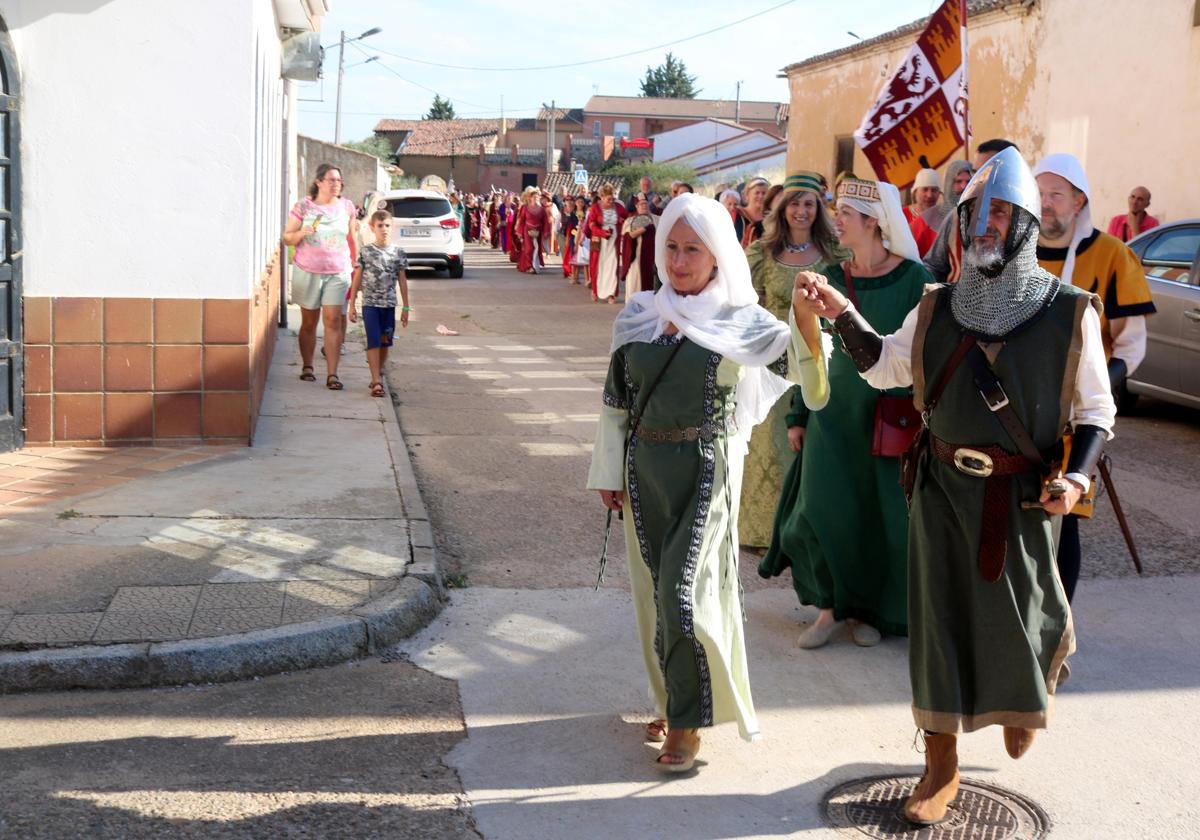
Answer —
993 300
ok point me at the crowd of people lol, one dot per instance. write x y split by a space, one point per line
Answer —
904 405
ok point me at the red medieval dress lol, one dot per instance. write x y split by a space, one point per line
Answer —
514 238
533 224
604 260
637 255
493 226
569 223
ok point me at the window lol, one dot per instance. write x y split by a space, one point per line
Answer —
1174 246
621 129
596 129
843 155
418 207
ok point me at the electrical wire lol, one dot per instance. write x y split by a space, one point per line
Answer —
589 61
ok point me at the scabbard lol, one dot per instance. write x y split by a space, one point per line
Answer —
1106 477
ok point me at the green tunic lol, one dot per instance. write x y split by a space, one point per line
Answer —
989 653
680 518
770 456
842 523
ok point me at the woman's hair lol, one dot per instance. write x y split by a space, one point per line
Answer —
322 170
775 190
775 227
752 184
607 189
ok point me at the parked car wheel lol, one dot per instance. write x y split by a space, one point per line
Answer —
455 270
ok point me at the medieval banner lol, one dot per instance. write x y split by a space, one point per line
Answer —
922 110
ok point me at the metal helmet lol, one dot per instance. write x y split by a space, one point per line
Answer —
1005 177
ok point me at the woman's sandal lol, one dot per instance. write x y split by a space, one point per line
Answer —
656 731
333 383
377 389
307 374
688 759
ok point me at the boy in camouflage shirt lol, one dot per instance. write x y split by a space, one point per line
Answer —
379 269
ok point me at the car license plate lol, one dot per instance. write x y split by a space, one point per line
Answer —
416 231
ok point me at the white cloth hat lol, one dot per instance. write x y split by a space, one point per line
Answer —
927 178
1068 166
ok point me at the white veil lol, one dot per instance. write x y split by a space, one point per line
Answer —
724 318
897 234
1068 167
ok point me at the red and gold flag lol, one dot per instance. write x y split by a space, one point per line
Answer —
922 111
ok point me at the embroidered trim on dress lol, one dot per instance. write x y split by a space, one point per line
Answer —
666 340
779 367
635 504
708 452
613 402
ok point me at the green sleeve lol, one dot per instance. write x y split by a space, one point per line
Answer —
798 415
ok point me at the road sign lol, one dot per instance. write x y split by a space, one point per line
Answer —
581 177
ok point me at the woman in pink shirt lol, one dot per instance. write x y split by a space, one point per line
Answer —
320 228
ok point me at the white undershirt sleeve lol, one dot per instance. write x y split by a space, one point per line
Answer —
608 469
894 368
1129 340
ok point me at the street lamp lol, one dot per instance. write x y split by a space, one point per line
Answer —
342 42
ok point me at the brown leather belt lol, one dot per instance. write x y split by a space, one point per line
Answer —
705 433
996 467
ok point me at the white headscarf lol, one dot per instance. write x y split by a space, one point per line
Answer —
1068 167
897 235
725 317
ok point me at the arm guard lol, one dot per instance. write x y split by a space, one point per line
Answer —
1117 371
1087 442
862 343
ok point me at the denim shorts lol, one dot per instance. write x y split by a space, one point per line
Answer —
312 291
380 325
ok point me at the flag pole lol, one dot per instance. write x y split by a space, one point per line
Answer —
962 11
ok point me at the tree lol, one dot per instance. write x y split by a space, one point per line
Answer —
669 80
373 145
442 109
660 174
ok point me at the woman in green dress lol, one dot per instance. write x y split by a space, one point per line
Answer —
695 365
798 236
842 522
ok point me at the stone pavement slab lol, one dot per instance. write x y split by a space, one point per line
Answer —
228 547
553 696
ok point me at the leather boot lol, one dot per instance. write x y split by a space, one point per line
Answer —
939 785
1018 740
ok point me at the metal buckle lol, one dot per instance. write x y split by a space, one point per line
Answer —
973 462
996 406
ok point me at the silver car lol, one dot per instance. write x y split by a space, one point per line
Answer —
1171 369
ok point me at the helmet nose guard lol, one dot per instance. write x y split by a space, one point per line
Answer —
1005 177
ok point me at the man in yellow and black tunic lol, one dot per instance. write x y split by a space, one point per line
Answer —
1071 248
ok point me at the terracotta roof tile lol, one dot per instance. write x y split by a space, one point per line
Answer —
698 109
439 138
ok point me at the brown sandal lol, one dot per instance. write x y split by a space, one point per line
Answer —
377 389
333 383
656 731
307 374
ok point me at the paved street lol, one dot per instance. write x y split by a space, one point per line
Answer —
516 714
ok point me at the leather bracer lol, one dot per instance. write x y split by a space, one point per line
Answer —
1087 443
862 343
1117 371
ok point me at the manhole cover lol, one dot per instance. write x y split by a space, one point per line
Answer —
871 807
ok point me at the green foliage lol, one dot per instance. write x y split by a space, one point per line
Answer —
442 109
660 174
405 182
373 145
669 80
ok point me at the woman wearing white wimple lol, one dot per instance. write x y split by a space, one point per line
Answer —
694 366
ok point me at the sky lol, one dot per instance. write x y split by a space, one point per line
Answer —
487 34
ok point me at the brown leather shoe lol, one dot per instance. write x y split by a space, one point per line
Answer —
1018 740
939 786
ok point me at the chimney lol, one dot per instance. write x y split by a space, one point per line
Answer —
482 153
516 150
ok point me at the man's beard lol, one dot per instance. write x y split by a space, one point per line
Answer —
1052 227
988 253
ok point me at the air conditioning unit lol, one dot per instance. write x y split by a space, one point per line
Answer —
302 57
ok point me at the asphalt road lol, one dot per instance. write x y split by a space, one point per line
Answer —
500 420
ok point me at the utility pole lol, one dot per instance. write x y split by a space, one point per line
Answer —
737 108
337 119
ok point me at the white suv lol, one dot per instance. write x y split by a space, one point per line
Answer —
424 225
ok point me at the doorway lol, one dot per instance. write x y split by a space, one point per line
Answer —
12 398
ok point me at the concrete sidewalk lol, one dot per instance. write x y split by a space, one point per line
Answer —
151 566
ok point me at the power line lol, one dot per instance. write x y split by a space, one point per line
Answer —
589 61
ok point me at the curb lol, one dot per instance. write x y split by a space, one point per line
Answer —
365 629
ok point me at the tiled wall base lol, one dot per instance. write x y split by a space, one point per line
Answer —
138 371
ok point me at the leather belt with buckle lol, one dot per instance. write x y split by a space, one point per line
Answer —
692 433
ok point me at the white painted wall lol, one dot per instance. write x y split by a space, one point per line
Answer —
151 143
677 141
